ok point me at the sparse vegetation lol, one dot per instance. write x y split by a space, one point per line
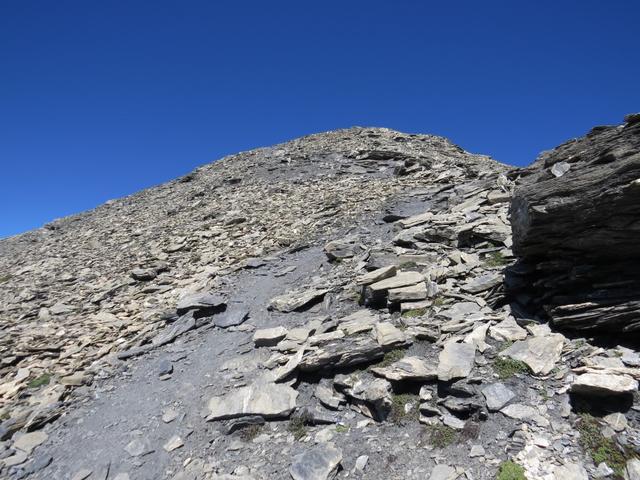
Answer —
342 428
298 424
43 379
250 432
601 448
297 427
407 265
441 436
504 345
390 357
510 471
398 413
5 277
418 312
508 367
495 259
438 301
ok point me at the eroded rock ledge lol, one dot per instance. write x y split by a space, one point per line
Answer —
575 216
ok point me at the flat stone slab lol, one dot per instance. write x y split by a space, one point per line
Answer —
342 352
402 279
456 360
268 337
269 400
200 301
603 384
297 300
376 275
508 331
483 282
389 336
318 463
539 353
443 472
360 321
29 441
412 292
409 368
231 317
497 396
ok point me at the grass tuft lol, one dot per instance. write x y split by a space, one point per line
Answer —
5 278
438 301
43 379
418 312
601 448
495 259
250 432
298 425
441 436
398 413
390 357
508 367
510 471
342 428
407 265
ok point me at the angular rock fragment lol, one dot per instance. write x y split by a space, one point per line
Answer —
376 275
603 384
410 293
508 331
443 472
483 282
341 353
456 360
401 279
390 336
341 249
407 369
297 300
372 396
526 413
269 400
268 337
497 396
204 303
540 353
320 462
328 397
358 322
28 441
231 317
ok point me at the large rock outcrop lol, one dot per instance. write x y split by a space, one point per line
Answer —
575 216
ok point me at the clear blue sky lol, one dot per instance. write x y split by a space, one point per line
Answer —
99 99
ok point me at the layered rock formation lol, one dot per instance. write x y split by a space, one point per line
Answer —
332 307
576 218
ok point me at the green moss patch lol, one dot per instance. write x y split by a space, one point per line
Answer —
441 436
43 379
418 312
508 367
495 259
390 357
510 471
398 413
601 448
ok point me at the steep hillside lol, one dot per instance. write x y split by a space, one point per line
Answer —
331 307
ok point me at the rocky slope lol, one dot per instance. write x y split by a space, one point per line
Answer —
329 307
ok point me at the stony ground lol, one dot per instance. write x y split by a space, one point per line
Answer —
330 307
